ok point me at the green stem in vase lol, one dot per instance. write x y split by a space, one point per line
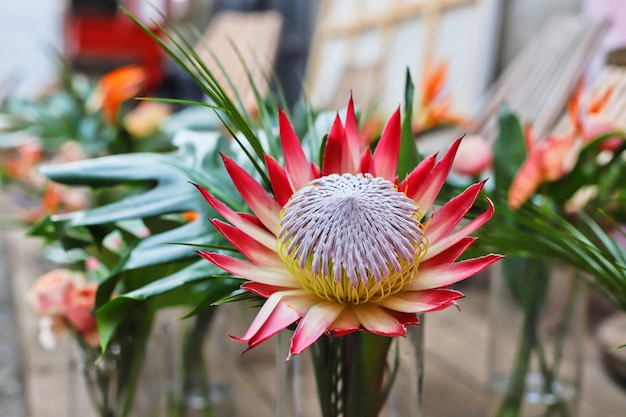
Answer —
194 381
132 350
352 374
363 374
327 358
531 346
531 299
97 381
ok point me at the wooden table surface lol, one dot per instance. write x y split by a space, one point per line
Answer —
455 359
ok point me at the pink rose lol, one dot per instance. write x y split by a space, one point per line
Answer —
51 291
473 157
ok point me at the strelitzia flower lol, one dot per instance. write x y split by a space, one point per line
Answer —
345 247
435 106
114 88
546 160
555 156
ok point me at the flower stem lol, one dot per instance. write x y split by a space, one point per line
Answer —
352 374
531 300
194 377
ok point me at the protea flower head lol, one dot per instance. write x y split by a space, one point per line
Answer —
345 247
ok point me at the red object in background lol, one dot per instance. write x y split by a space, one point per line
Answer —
98 38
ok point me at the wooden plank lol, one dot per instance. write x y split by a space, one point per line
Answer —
381 21
398 13
243 42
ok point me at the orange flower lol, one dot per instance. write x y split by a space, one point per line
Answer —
434 78
24 161
116 87
555 156
146 118
191 216
57 199
591 122
435 108
547 160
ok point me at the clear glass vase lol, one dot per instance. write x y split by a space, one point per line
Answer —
357 375
537 322
109 385
181 368
202 362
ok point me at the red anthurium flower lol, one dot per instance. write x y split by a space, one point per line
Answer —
347 247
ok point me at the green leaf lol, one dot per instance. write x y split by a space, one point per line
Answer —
409 154
172 193
201 270
140 292
509 150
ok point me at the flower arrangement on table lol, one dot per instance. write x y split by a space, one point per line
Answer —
540 186
344 241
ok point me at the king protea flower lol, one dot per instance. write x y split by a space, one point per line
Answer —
346 247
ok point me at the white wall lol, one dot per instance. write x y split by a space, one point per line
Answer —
521 19
29 30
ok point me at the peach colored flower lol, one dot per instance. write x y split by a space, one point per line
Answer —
24 161
79 311
64 297
146 118
71 151
51 291
555 156
58 198
473 157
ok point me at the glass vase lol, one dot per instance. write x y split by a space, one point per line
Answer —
537 322
106 385
201 362
356 375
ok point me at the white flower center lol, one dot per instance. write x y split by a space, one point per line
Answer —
351 238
